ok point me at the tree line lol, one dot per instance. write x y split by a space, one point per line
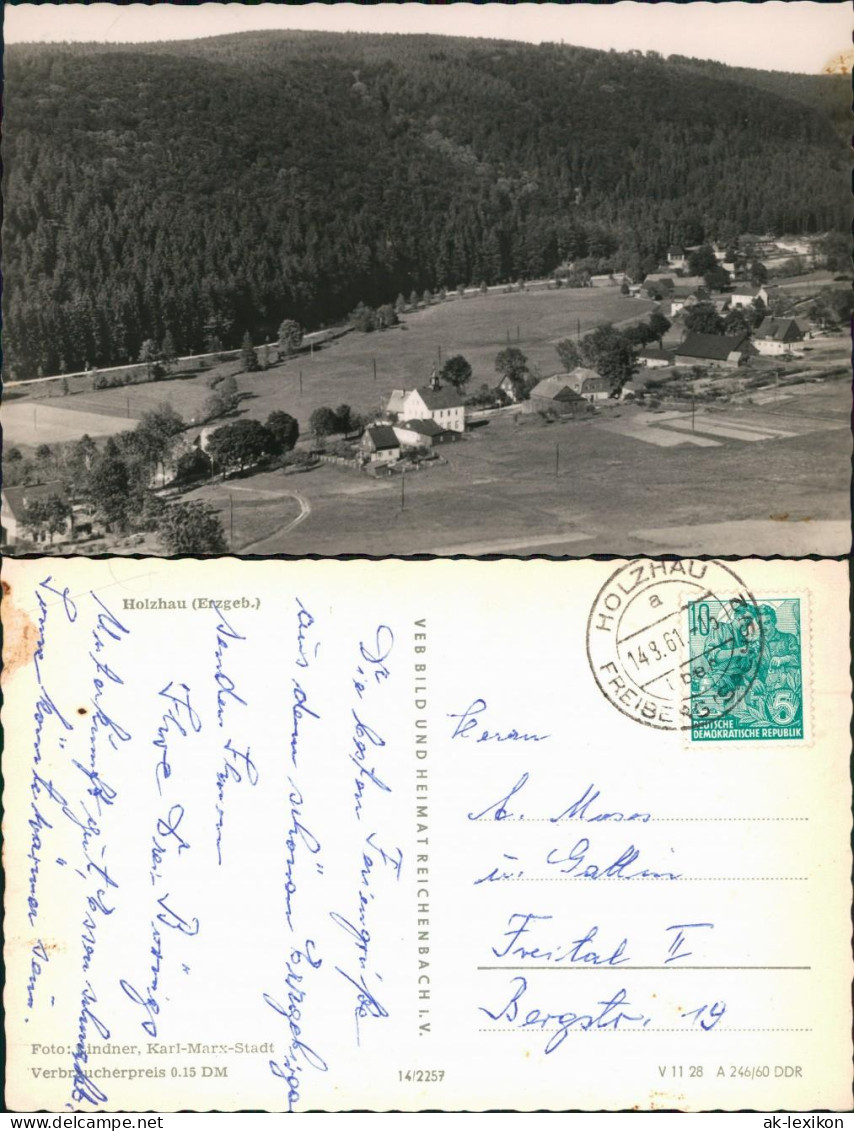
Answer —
147 200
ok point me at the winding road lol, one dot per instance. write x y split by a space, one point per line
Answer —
304 511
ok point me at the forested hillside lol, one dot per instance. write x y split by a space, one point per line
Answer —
207 188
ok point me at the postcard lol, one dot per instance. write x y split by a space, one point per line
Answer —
564 279
426 835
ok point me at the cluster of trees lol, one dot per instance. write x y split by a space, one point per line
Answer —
147 201
832 307
113 481
704 318
224 398
192 528
47 516
243 444
339 421
365 319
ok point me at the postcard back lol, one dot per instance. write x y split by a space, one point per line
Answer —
402 835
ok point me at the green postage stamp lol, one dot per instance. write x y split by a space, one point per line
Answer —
746 669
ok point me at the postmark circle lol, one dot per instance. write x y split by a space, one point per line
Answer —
674 645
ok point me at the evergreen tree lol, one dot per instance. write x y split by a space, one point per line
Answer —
248 356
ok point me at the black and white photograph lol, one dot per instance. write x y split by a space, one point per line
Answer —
405 279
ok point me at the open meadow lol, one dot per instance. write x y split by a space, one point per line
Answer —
747 479
342 372
764 473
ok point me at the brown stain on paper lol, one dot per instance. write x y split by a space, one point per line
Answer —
20 635
840 64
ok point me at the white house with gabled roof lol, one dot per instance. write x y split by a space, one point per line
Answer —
444 406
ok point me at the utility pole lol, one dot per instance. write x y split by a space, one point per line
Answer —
578 328
375 368
128 405
300 382
402 490
231 520
693 406
518 334
557 459
440 355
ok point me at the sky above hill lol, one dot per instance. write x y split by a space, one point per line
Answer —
799 35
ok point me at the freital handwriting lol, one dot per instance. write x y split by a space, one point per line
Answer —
532 937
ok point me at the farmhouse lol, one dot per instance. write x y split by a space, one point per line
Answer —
13 510
380 444
556 394
676 257
422 434
719 349
588 384
747 295
653 358
442 405
776 335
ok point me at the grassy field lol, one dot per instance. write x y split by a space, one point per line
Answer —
500 491
626 481
343 371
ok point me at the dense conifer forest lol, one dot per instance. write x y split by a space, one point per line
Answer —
204 189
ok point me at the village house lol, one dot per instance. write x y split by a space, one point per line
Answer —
653 358
14 502
555 394
588 384
380 444
443 405
676 258
746 295
743 296
776 336
512 391
423 434
714 349
686 297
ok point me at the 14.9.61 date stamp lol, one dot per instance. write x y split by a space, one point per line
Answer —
684 645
